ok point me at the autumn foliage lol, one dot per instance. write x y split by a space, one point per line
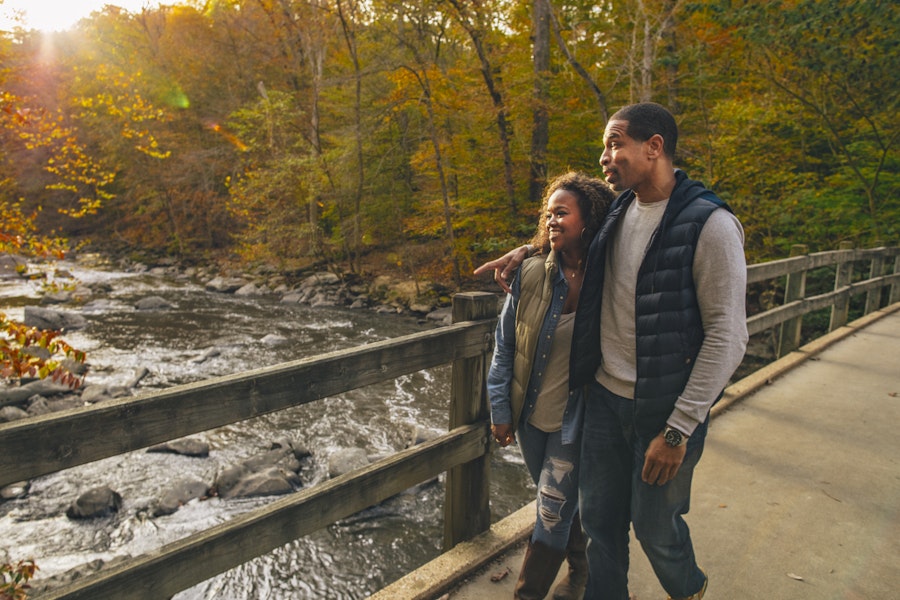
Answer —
293 132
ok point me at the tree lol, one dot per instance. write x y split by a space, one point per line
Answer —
833 64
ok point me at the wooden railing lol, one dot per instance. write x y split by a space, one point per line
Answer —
874 272
46 444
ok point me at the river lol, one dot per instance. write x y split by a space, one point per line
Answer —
347 560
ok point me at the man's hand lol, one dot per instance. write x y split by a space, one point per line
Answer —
505 266
503 434
662 461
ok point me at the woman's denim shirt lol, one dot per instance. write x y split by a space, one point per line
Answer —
501 372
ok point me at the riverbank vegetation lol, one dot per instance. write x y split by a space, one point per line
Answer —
415 137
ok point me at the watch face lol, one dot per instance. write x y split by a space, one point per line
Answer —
673 437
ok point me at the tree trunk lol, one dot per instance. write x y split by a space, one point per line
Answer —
540 130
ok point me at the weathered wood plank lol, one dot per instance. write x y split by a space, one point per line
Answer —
45 444
467 509
183 564
794 289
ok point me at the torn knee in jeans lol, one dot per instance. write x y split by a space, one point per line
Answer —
551 505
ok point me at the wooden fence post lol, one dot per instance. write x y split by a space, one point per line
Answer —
876 269
842 277
794 289
895 288
467 506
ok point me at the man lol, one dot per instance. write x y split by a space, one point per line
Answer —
666 278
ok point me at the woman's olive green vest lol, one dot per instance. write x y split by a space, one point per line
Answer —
535 294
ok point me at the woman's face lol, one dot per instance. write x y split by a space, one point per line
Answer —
564 222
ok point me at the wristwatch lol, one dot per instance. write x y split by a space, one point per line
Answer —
674 437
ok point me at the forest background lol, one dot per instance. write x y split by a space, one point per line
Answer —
415 137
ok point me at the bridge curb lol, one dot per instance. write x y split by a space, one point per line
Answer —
440 575
450 568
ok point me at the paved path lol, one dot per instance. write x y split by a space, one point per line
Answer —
797 495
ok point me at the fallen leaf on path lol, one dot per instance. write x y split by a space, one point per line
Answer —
797 577
500 575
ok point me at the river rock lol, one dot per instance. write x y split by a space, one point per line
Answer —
97 502
57 320
153 303
250 289
273 472
345 460
60 297
12 266
225 285
208 354
271 481
136 379
319 279
42 585
92 394
273 339
43 387
39 405
178 495
12 413
184 447
443 316
15 491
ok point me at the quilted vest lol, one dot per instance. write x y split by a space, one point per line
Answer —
668 327
535 294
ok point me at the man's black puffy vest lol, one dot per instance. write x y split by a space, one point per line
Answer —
668 328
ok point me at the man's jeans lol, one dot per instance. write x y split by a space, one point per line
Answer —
554 469
612 494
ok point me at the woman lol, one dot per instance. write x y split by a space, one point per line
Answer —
528 383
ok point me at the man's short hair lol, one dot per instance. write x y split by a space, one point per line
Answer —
646 119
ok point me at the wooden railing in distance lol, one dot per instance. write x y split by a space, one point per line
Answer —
879 266
41 445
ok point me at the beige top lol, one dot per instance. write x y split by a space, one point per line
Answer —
554 394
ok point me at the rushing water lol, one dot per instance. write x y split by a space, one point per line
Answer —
349 559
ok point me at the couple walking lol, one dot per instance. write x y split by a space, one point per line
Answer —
613 344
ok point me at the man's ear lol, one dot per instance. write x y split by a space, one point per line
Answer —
655 146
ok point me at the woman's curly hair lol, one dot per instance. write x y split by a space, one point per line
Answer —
594 197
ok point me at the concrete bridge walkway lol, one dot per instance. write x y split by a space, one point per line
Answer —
797 496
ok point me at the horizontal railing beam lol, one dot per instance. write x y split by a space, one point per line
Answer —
775 316
49 443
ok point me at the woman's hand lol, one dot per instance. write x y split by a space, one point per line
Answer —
505 266
503 434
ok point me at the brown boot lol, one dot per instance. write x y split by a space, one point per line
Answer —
572 586
538 571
